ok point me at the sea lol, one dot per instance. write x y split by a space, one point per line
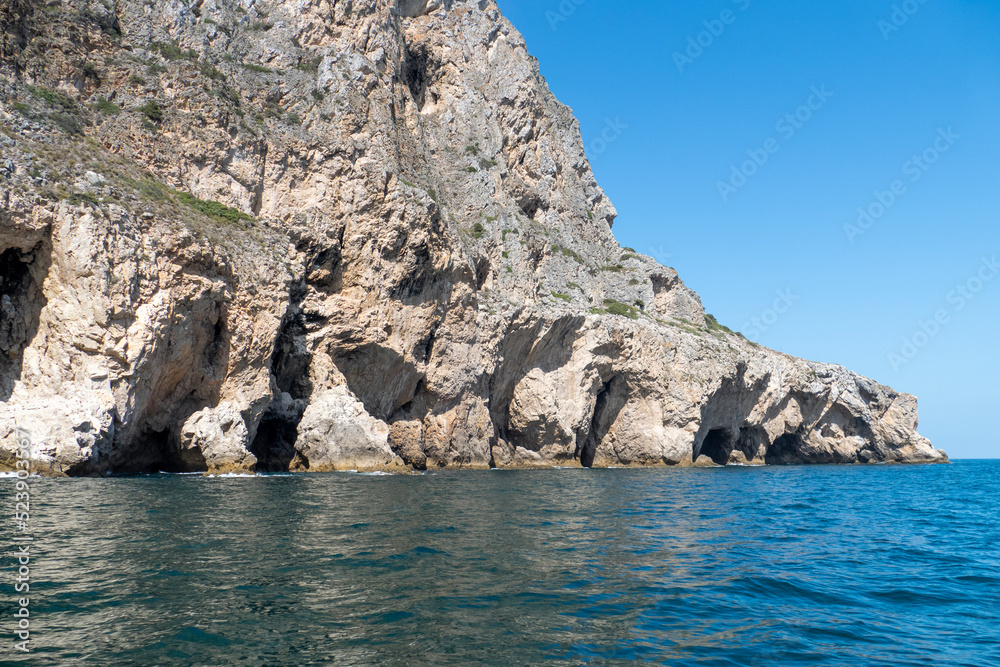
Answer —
735 566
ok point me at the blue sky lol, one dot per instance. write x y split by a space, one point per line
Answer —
821 109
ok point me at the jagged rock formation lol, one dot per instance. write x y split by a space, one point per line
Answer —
395 254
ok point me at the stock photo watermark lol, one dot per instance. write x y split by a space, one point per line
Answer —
957 299
660 254
758 326
714 29
901 15
787 127
913 169
613 129
565 9
22 542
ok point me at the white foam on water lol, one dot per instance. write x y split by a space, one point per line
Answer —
233 474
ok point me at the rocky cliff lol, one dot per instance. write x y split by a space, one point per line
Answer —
326 234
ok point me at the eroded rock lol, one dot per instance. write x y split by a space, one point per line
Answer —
336 433
215 440
405 258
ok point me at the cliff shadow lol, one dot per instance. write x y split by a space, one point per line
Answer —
718 445
786 450
21 302
608 405
274 444
184 379
725 418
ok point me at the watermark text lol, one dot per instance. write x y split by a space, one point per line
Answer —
914 169
22 541
787 127
957 300
759 325
901 15
714 29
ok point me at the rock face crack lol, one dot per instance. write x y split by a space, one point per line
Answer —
416 73
608 404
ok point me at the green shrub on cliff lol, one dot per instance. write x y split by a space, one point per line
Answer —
173 51
213 209
152 111
107 107
55 98
612 307
714 325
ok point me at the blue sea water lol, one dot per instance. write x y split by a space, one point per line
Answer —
882 565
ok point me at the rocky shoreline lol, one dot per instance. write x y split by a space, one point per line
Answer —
330 235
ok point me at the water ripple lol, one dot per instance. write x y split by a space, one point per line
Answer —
750 566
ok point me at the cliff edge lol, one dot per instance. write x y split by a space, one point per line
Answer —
325 234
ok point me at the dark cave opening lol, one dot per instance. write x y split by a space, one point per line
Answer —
152 455
610 401
482 271
13 271
529 206
786 450
717 446
274 444
589 449
415 73
21 304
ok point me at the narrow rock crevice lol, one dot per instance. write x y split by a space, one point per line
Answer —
416 73
428 347
608 404
482 272
257 193
273 443
291 358
217 351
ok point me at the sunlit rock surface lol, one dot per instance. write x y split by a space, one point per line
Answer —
322 235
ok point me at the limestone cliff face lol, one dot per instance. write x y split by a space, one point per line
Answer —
325 234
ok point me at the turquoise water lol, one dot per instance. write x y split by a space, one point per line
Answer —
739 566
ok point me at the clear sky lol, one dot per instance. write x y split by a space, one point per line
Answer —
739 139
